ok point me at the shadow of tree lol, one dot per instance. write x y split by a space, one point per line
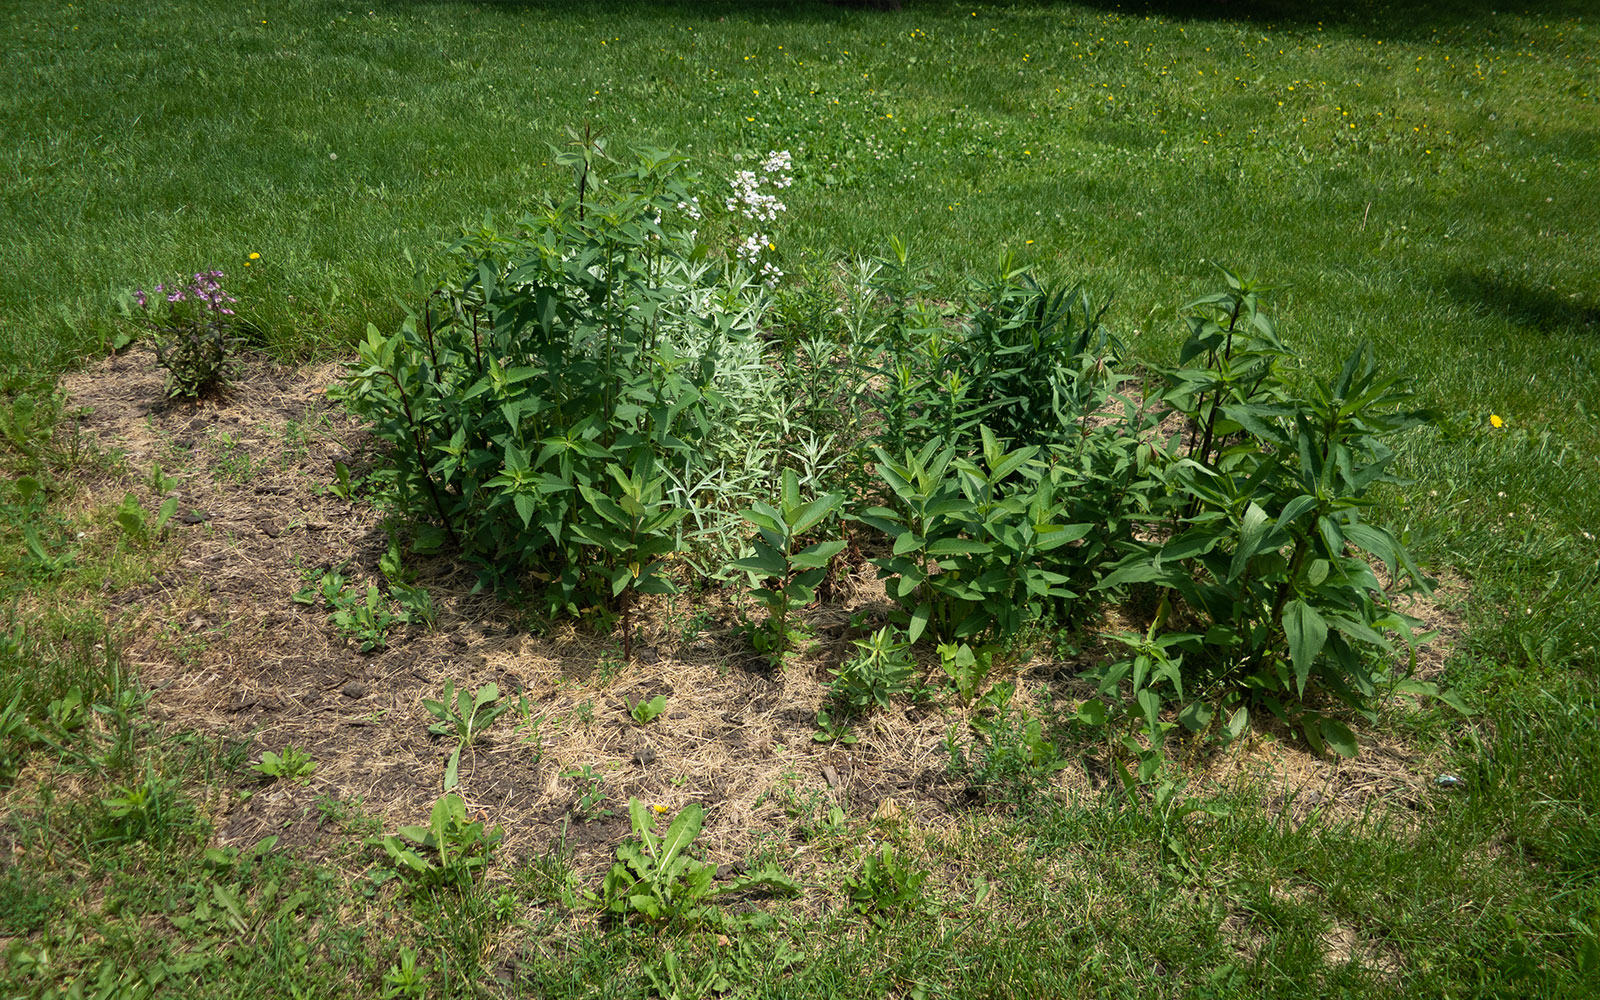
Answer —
1394 19
1547 310
1391 19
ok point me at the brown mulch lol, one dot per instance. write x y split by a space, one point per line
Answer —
218 640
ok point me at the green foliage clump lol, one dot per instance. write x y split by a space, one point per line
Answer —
1007 757
448 852
532 405
656 881
1264 567
791 571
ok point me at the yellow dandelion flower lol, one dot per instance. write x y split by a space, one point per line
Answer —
255 256
659 808
1495 420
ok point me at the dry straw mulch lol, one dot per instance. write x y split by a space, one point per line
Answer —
217 638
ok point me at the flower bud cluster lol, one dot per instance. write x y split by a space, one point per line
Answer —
205 289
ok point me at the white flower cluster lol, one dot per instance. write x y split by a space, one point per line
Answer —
752 200
691 208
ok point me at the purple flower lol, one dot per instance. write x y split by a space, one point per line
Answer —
138 296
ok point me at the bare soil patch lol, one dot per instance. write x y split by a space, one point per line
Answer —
218 640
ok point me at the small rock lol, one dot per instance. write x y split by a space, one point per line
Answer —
644 756
731 870
830 775
355 689
193 516
270 529
459 640
647 655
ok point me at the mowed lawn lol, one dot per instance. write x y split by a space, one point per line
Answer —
1423 176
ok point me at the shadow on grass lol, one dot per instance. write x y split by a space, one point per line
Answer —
1528 306
1392 19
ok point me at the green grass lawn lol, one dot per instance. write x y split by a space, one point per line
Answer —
1424 176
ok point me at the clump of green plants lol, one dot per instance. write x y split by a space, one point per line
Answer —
644 712
880 670
591 801
363 617
150 809
194 328
138 524
792 572
293 764
448 852
1007 757
530 405
415 602
1265 563
888 887
967 668
466 716
656 881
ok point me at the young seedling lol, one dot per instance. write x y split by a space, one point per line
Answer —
293 764
460 848
644 712
464 716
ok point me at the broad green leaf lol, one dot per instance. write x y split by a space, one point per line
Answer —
683 831
1306 632
1239 722
1252 532
812 513
958 547
450 769
1150 703
767 519
1338 737
1295 508
1092 712
908 542
919 621
767 562
817 555
1196 716
526 507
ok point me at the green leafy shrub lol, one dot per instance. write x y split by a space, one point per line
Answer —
974 545
534 403
1266 565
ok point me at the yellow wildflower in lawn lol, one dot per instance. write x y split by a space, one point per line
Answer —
1495 421
659 808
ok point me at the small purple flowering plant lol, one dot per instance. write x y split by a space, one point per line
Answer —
192 319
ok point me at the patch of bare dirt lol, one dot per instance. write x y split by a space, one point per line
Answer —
225 651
